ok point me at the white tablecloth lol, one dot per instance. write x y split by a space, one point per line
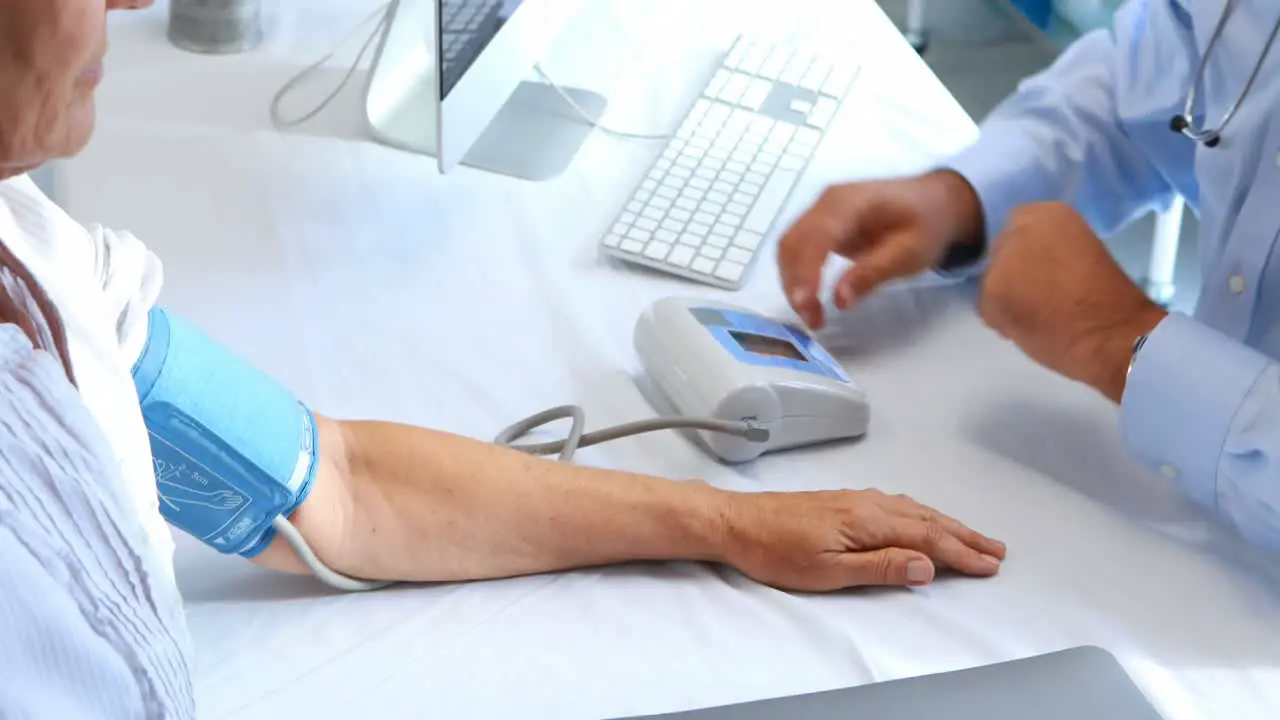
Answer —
374 287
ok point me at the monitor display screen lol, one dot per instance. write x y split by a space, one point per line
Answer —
466 28
765 345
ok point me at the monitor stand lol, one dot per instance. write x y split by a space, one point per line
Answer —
535 135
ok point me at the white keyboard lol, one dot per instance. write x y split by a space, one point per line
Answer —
709 201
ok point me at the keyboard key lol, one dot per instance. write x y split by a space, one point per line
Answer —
634 206
699 183
823 111
744 199
737 52
716 196
737 208
703 265
747 240
686 162
724 229
651 213
838 82
663 165
672 224
767 158
698 229
632 246
717 241
722 186
711 251
680 256
682 210
736 167
755 56
795 69
814 76
712 208
755 177
743 156
736 254
734 88
757 92
704 218
648 185
657 250
772 68
681 172
730 176
691 239
704 172
806 137
791 162
782 133
665 236
612 240
731 219
717 83
750 188
729 271
621 228
641 235
770 202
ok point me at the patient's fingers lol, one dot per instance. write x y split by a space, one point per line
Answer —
905 506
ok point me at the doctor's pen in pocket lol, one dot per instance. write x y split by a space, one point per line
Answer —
235 453
24 304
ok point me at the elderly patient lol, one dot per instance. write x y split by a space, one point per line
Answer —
90 616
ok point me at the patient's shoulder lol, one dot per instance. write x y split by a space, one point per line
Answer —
40 232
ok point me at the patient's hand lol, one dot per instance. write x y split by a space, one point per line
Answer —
821 541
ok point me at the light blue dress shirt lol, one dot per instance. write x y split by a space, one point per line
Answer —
84 632
1202 405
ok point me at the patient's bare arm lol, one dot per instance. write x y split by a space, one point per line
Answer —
392 502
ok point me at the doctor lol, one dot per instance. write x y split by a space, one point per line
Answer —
91 622
1178 96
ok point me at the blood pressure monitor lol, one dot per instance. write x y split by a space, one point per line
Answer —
714 360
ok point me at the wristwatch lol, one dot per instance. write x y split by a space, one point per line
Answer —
1133 357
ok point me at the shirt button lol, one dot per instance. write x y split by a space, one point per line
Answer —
1236 284
1169 471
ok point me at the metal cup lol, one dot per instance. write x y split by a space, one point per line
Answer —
216 26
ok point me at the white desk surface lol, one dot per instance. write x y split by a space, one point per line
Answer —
376 288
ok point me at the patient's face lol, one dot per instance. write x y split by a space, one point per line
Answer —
50 63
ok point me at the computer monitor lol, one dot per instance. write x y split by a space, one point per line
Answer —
452 79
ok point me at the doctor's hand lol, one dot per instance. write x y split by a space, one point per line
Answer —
824 541
1054 289
889 228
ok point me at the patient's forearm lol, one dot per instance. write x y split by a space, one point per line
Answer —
393 502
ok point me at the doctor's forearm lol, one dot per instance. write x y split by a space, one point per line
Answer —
394 502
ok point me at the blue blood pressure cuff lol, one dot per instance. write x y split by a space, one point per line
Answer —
232 449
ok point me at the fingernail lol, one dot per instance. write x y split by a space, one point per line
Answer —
991 560
919 571
799 297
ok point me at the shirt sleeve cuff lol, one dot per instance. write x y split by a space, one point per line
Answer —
1180 399
1002 172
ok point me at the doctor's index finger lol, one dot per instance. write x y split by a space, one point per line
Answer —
803 250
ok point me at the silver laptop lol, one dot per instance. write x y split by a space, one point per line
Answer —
1080 683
